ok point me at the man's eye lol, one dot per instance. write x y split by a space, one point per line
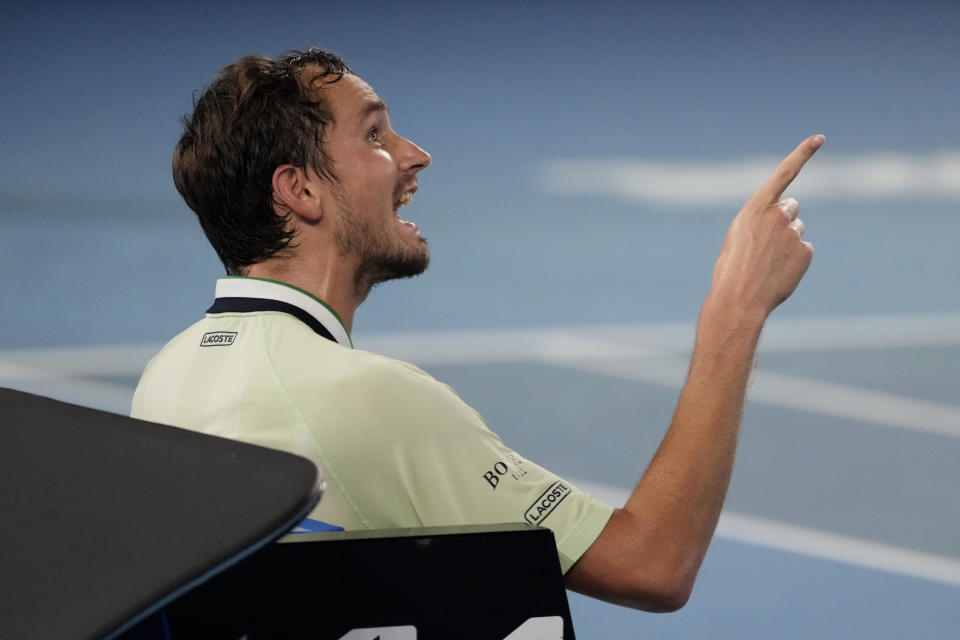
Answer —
374 135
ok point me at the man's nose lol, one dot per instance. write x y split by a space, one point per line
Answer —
415 158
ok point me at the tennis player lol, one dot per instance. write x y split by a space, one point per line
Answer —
297 177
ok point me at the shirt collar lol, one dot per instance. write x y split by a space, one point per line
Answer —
237 294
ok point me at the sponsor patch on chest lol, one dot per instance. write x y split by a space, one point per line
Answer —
218 339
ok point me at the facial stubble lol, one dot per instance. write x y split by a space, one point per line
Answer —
382 255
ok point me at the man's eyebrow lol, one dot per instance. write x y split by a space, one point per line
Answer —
374 106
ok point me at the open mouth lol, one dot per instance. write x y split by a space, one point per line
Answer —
405 198
404 194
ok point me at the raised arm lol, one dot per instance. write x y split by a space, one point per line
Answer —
649 553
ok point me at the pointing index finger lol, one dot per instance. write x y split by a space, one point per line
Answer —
788 170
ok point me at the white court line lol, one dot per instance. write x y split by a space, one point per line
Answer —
808 334
866 177
644 355
103 360
842 401
797 393
862 332
812 542
59 373
654 353
511 345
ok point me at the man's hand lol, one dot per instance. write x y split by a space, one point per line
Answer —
763 256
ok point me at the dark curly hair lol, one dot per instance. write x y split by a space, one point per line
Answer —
255 115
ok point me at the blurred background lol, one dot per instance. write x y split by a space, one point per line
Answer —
587 159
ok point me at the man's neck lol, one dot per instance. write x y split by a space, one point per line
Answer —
334 285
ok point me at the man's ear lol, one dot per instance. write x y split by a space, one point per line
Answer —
295 191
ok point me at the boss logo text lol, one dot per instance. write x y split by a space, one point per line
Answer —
493 476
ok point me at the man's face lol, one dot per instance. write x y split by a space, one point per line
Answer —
376 173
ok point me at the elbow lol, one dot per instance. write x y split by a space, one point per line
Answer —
666 593
650 572
668 599
663 595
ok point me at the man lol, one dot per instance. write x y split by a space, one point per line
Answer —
296 176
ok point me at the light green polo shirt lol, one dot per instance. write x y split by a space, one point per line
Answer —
272 365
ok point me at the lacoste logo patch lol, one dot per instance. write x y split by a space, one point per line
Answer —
547 502
218 339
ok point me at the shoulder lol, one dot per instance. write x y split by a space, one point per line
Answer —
177 348
386 379
369 391
387 372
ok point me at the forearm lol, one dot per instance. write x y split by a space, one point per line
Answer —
682 492
650 552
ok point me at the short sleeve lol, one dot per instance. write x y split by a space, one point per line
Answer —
412 453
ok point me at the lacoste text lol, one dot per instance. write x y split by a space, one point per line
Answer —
547 502
218 339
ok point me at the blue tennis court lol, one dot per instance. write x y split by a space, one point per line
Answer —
586 163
